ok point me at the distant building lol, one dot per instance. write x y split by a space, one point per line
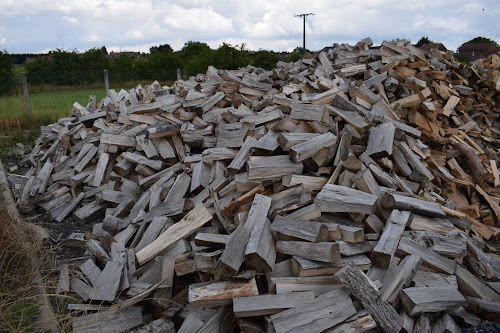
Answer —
476 51
429 46
112 55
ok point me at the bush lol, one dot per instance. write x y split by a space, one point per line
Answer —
6 72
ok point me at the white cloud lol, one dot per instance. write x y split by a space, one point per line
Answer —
202 20
261 24
3 41
70 20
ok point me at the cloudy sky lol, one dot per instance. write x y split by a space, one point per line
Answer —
136 25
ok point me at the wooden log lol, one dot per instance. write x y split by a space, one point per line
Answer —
69 208
470 285
334 198
317 314
268 142
361 287
107 285
352 118
260 253
301 230
234 254
414 205
220 293
187 225
288 140
142 160
89 212
242 156
111 320
307 149
306 267
381 140
191 324
307 112
268 167
398 277
429 257
384 251
222 321
422 172
323 251
419 300
118 140
445 324
265 305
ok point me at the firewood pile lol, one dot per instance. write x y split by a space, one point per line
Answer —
355 191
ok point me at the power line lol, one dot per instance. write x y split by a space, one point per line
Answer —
304 31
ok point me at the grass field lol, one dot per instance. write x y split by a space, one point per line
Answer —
46 108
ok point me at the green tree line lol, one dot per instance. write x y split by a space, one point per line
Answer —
62 67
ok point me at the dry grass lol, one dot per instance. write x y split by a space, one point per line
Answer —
19 264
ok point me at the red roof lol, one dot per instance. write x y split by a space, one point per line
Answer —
478 47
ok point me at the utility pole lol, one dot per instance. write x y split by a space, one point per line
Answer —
304 31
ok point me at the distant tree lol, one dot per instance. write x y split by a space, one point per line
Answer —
122 68
296 54
227 57
265 59
196 57
104 50
482 40
423 40
94 61
6 72
396 40
165 48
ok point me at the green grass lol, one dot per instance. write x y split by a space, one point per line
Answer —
17 71
46 108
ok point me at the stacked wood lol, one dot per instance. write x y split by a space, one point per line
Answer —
267 199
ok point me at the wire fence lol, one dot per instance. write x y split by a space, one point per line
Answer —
48 102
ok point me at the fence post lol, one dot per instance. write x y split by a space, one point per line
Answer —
179 77
106 82
26 98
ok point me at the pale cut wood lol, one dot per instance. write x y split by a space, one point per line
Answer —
260 253
470 285
67 210
307 112
420 171
317 314
89 212
264 305
267 167
418 300
234 254
242 156
91 271
191 324
288 140
189 223
429 257
268 142
100 169
352 118
222 321
360 322
334 198
381 140
142 160
398 277
450 105
308 182
322 251
63 284
108 321
361 287
107 285
307 149
302 230
384 251
306 267
118 140
445 324
220 293
414 205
